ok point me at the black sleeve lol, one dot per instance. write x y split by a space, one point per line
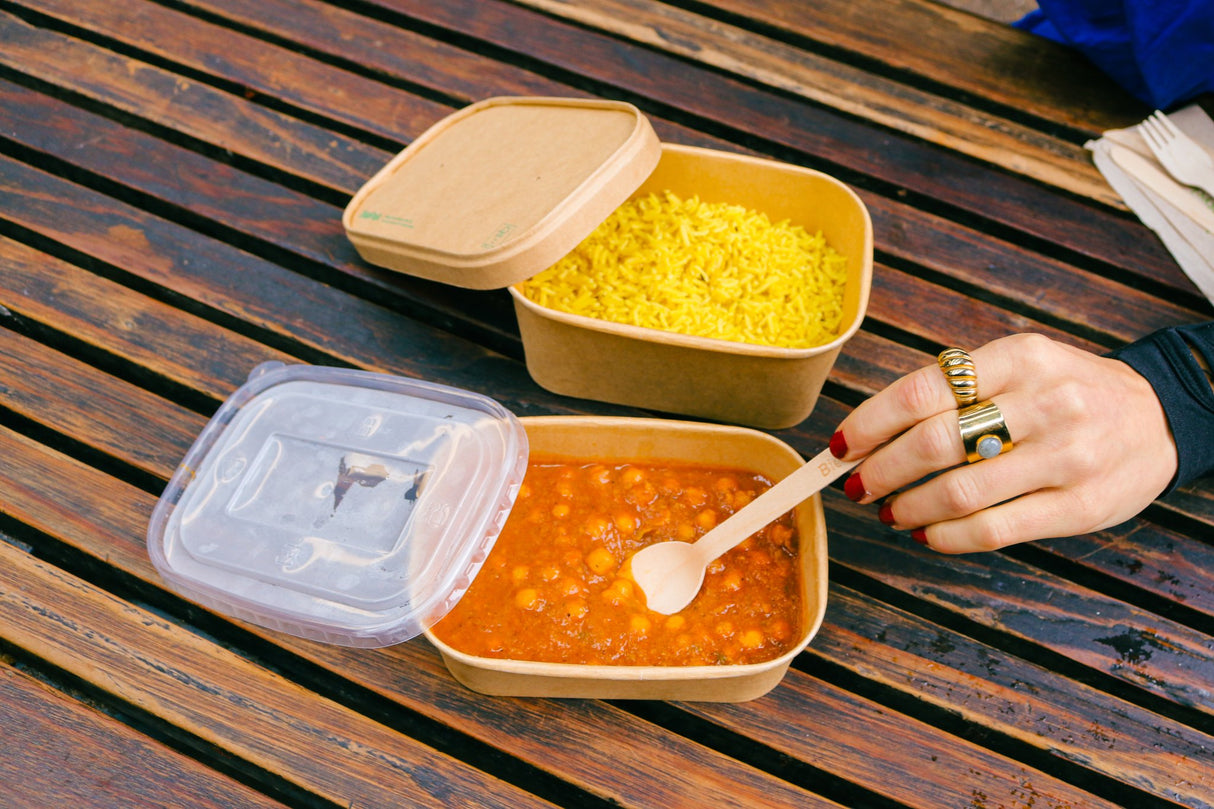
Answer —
1166 360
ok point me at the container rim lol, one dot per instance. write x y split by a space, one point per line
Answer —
716 344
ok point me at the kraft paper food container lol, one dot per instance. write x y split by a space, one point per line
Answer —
501 190
760 386
627 439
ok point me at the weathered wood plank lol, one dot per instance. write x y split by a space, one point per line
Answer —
336 325
972 56
118 418
1019 698
221 121
87 760
259 67
822 80
1111 637
1146 556
100 313
223 699
863 736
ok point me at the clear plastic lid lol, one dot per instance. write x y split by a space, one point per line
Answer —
339 505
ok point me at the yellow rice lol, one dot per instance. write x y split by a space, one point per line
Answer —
704 269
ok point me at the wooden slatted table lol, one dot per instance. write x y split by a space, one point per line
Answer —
172 176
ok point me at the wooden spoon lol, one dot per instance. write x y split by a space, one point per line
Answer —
670 573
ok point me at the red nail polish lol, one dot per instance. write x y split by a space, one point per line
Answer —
919 535
838 444
886 514
853 487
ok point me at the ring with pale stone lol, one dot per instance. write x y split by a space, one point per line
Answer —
984 433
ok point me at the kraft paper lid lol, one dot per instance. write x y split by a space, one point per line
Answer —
502 189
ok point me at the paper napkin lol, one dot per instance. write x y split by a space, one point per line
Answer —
1182 216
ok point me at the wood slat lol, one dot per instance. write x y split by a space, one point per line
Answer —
105 315
120 419
1019 698
223 699
1160 657
974 57
822 80
862 734
260 67
87 760
217 119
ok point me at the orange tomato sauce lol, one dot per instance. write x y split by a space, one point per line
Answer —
553 590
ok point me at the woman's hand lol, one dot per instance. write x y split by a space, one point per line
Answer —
1091 449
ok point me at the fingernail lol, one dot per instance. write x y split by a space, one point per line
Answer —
919 535
838 444
853 487
886 514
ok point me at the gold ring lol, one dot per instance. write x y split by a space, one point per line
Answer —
983 431
960 374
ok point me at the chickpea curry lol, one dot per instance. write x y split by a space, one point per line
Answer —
555 587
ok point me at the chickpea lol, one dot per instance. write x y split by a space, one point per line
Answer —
751 639
519 573
780 630
676 622
528 599
631 476
781 534
576 608
561 511
601 561
758 558
625 523
725 484
707 519
621 590
731 581
640 624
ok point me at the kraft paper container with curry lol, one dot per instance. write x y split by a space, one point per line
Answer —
582 438
501 190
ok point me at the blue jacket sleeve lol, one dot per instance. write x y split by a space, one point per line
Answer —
1166 360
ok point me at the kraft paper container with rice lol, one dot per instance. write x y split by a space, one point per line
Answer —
587 439
501 190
